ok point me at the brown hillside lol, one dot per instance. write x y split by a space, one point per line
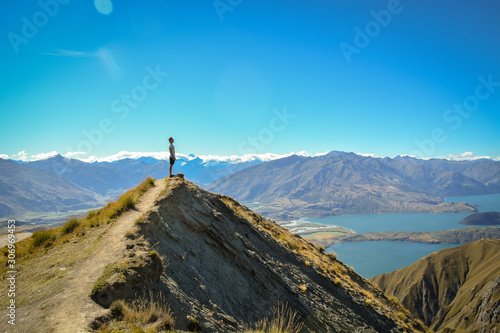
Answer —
452 290
228 268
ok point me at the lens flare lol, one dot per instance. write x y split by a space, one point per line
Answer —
104 7
109 63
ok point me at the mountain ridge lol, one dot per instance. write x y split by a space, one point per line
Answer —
27 190
455 289
346 183
296 186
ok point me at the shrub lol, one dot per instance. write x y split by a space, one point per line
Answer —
91 214
143 316
42 237
321 248
117 309
337 282
70 226
290 242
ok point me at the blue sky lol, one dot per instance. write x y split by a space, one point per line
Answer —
233 77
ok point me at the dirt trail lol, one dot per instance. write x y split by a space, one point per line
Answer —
76 309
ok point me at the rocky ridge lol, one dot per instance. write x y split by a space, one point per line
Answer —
228 268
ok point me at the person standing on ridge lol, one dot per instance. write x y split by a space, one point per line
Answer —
171 148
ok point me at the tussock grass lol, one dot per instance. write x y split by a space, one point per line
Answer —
115 209
289 241
284 320
154 254
124 203
44 237
70 225
102 282
141 316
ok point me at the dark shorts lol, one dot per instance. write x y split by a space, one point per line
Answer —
172 161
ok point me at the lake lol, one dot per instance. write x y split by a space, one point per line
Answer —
373 258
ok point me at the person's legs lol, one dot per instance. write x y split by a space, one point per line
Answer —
171 165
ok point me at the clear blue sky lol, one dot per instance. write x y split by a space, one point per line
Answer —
73 67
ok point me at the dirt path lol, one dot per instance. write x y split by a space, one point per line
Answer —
76 309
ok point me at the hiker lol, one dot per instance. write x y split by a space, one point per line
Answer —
171 148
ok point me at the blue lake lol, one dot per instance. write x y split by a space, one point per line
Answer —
373 258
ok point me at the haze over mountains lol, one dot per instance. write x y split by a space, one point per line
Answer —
347 183
285 188
25 189
89 183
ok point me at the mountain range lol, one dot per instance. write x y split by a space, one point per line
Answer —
64 184
24 189
452 290
347 183
285 188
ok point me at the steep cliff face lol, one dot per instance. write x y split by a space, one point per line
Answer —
452 289
228 268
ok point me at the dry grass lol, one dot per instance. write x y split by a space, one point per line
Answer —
70 225
145 316
116 208
43 240
44 237
284 320
109 270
